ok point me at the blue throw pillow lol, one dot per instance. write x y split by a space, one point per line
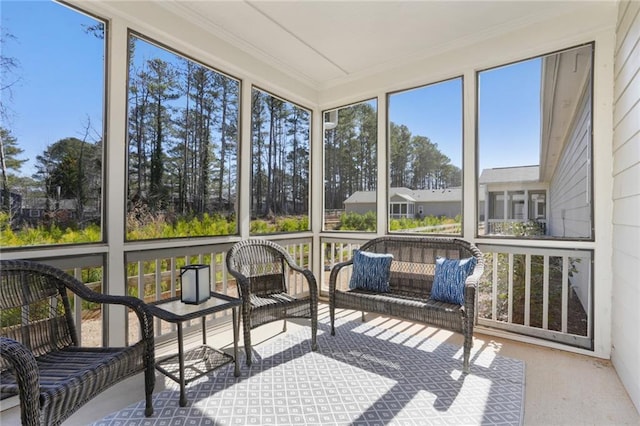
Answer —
448 282
371 271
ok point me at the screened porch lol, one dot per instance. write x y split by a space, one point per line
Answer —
513 126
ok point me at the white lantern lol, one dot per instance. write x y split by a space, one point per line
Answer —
194 280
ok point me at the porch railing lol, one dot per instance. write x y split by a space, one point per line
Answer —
154 275
545 293
541 292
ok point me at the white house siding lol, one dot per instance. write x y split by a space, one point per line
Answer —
625 353
445 208
569 191
360 208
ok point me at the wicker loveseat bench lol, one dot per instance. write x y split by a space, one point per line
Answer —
41 359
411 277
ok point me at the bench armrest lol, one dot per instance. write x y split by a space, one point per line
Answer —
334 274
471 287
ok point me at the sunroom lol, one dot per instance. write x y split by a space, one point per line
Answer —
141 136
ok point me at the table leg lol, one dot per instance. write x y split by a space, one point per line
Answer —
236 332
183 397
204 330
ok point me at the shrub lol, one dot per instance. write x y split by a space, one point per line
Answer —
357 222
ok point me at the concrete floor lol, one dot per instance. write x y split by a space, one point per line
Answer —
562 388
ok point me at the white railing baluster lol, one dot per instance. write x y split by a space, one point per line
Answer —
590 303
213 278
142 294
225 277
303 264
510 290
77 305
527 290
158 279
565 293
494 288
174 276
296 258
174 288
545 293
332 254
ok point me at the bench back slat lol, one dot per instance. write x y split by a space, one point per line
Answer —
414 259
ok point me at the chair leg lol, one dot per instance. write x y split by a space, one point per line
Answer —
247 340
284 326
332 316
314 332
468 342
149 384
363 316
148 411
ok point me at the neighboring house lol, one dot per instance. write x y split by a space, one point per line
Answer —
408 203
33 209
514 195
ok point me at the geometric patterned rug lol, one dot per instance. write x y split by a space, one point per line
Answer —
364 375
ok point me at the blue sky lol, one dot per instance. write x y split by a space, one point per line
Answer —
508 111
44 111
434 111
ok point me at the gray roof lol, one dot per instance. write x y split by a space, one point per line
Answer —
361 197
406 194
431 195
510 174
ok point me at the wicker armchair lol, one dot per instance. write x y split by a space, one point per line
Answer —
40 357
262 269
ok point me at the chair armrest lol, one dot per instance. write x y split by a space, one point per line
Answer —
25 368
311 279
137 305
242 282
142 311
311 282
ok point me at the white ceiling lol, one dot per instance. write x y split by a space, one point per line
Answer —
323 43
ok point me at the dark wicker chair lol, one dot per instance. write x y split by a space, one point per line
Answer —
262 269
40 357
411 278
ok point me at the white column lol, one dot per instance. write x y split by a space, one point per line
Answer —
244 175
469 182
506 204
382 187
115 184
603 96
316 209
